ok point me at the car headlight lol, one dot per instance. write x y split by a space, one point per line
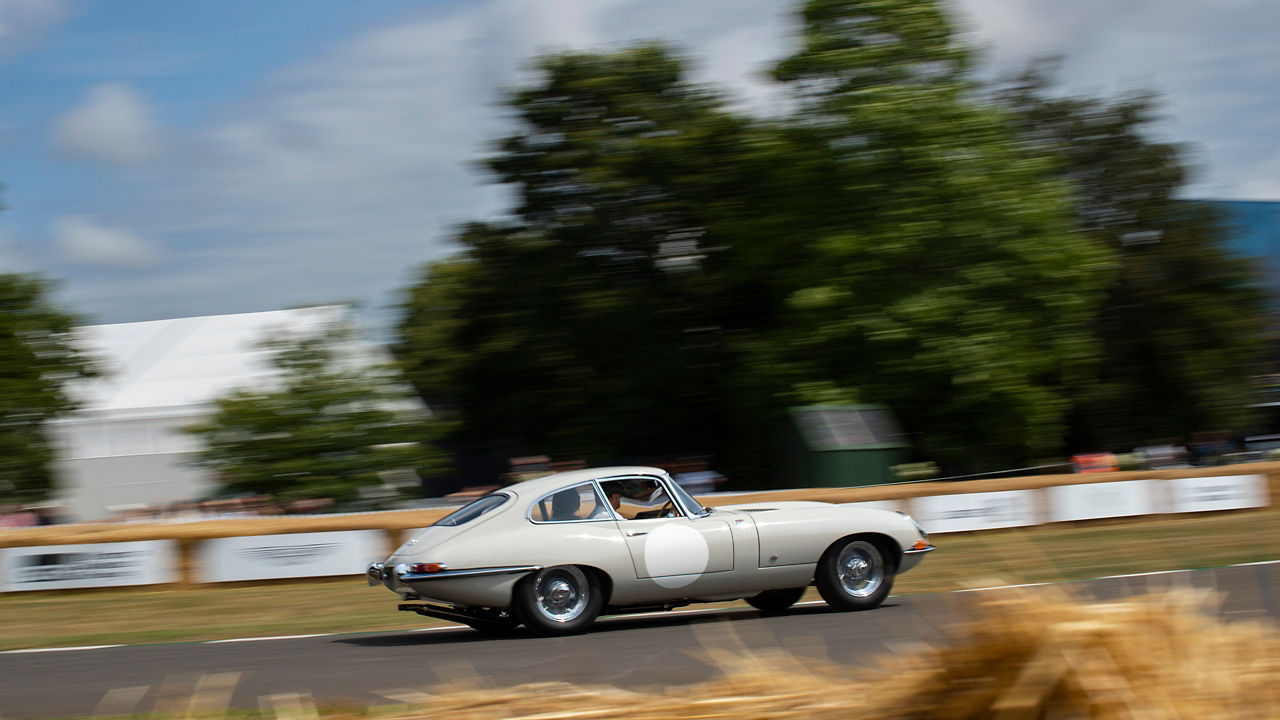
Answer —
918 526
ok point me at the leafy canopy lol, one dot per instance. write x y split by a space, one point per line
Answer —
38 359
331 424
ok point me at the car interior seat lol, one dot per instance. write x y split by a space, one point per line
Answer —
564 505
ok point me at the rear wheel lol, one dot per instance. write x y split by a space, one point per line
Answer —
561 600
772 602
854 574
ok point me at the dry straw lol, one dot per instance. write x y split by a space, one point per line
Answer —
1035 654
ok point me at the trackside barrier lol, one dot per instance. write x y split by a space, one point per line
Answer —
261 549
293 555
62 567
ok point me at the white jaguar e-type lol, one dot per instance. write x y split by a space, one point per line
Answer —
556 552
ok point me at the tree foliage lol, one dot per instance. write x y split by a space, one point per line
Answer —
1181 329
952 287
38 358
586 327
331 424
674 275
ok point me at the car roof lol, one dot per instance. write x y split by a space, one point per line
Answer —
558 480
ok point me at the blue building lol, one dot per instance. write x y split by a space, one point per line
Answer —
1255 232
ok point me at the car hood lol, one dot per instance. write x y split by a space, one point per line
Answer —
766 506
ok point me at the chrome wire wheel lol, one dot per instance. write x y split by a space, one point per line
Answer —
562 594
855 574
860 568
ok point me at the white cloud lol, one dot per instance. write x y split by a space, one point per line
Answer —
1214 64
112 124
341 175
24 22
87 242
1263 182
338 176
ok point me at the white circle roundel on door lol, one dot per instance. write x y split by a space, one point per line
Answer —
675 555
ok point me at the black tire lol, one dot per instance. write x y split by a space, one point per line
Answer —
854 574
560 600
772 602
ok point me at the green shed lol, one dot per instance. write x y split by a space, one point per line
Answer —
842 446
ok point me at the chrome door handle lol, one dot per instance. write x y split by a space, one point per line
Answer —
635 533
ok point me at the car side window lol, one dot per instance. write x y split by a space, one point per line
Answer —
580 502
472 510
639 498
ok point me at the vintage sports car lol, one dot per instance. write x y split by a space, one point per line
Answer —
556 552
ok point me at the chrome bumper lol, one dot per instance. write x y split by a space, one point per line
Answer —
379 574
921 551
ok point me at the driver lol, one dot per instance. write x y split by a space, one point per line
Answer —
614 492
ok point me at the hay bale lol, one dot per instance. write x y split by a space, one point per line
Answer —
1026 654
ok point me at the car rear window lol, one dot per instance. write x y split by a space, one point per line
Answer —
471 511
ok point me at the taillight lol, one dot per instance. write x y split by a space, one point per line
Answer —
422 568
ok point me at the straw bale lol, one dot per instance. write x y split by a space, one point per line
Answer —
1025 654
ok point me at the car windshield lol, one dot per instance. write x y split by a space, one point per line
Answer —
471 511
683 496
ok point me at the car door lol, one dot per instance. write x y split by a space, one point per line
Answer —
674 550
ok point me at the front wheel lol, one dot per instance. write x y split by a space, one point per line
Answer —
559 600
772 602
854 574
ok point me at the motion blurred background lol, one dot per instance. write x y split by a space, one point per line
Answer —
575 234
326 258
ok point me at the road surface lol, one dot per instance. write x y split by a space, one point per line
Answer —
629 651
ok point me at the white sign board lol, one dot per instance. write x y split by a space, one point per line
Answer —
61 567
1229 492
1089 501
267 557
974 511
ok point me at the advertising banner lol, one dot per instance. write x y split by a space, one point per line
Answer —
1101 500
267 557
61 567
1228 492
974 511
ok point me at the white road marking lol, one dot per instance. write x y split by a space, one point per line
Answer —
212 695
661 613
119 702
288 706
58 649
1008 587
275 637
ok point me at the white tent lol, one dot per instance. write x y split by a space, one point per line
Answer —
125 447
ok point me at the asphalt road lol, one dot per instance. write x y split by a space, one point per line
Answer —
287 674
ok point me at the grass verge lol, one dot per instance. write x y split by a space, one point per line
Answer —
1040 554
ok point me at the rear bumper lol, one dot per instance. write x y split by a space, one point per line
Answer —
379 574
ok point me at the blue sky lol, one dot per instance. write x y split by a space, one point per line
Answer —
164 159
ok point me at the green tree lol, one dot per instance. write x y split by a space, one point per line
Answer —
332 423
1181 330
947 281
38 358
588 326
